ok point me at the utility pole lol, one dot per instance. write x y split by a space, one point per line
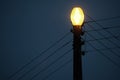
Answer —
77 58
77 18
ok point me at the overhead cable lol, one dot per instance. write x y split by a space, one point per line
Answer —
37 65
50 64
105 46
32 60
102 27
105 19
60 67
105 56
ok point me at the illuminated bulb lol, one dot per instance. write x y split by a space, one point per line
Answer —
77 16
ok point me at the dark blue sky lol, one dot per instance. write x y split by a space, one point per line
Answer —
27 27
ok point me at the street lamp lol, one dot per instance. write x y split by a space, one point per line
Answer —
77 19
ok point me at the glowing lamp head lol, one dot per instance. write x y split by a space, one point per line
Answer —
77 16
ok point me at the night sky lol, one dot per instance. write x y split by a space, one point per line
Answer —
28 27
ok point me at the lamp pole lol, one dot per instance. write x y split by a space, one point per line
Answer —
77 18
77 54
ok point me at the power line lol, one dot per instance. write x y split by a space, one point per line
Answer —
11 76
104 44
109 37
105 19
106 47
51 64
87 51
105 56
49 75
35 66
102 27
103 35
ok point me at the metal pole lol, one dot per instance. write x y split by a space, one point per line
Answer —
77 55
